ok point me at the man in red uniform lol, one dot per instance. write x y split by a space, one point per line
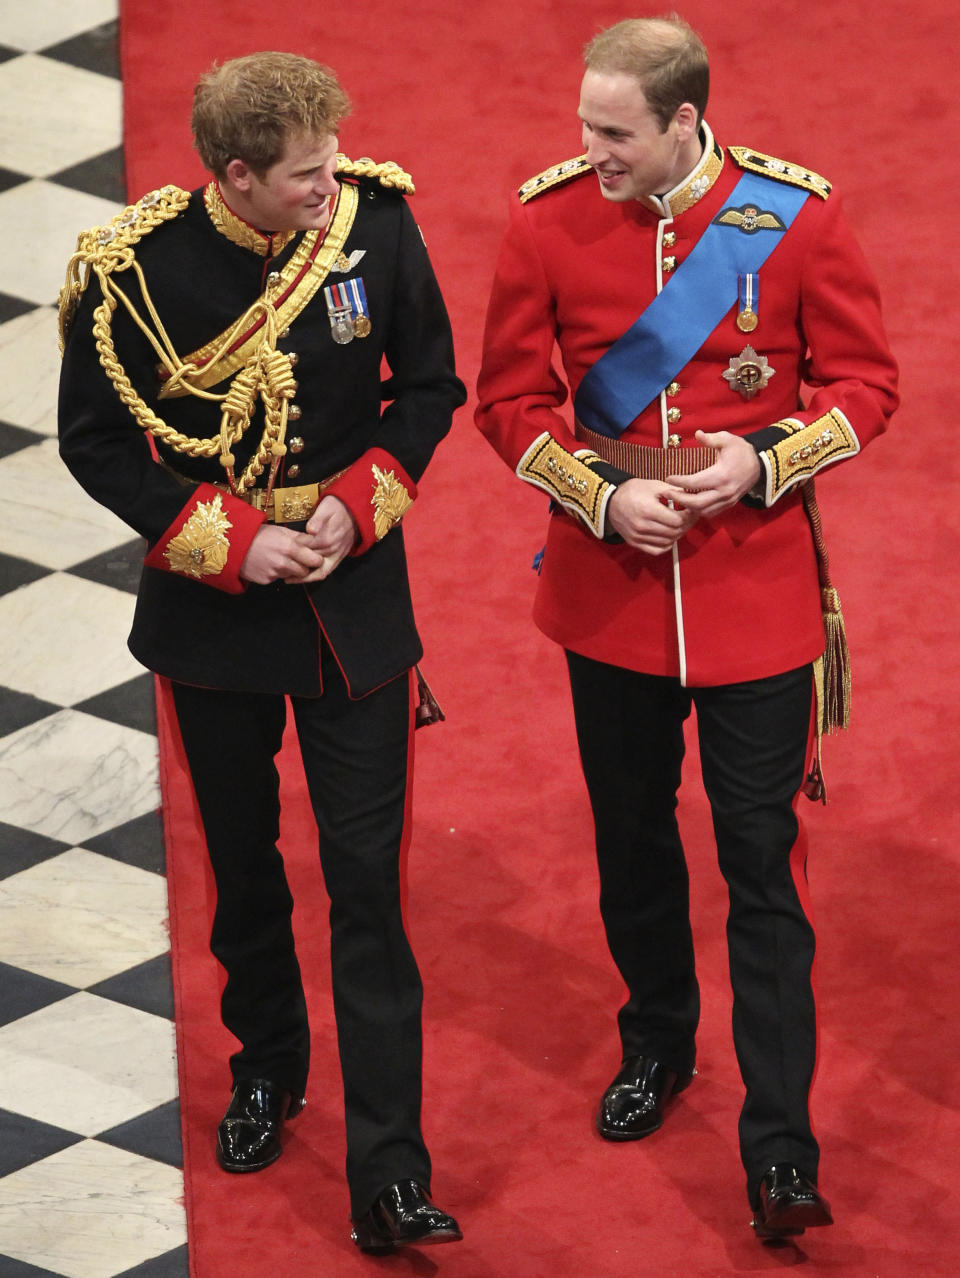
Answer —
690 291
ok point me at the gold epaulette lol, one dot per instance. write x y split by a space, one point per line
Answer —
109 248
556 175
781 170
387 174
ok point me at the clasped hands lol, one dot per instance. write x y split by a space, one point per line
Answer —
652 515
281 554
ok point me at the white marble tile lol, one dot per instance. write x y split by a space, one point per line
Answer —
43 220
63 638
31 370
48 518
87 1064
55 115
81 917
71 776
91 1211
44 22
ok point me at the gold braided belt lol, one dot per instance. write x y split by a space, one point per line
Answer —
643 461
291 505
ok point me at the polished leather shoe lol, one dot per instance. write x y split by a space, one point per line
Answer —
787 1204
248 1137
633 1104
401 1216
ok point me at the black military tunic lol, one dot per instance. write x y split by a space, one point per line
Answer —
200 282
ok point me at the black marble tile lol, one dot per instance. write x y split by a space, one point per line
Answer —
153 1135
93 50
138 842
18 710
118 567
24 1141
19 849
10 1268
147 987
16 572
13 438
132 704
102 175
171 1264
24 992
11 307
10 178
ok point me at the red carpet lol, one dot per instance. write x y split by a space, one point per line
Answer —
520 992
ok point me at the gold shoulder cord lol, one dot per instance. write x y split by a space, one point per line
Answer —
266 374
388 174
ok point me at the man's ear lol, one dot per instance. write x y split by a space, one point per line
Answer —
685 120
239 175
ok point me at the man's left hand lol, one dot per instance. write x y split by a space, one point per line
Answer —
332 532
735 471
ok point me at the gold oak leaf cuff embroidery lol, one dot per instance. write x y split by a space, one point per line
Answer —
806 450
201 547
390 501
567 479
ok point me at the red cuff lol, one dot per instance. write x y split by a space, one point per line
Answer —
378 492
209 540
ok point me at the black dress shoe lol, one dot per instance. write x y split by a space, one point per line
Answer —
401 1216
633 1104
787 1204
248 1137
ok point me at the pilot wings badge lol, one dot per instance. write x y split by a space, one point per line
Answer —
749 219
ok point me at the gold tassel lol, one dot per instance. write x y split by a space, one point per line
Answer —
835 712
831 671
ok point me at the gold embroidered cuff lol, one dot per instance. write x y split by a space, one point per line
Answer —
390 501
201 547
805 451
567 479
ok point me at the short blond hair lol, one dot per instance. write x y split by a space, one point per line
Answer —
665 54
250 107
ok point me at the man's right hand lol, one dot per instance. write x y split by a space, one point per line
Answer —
278 554
639 512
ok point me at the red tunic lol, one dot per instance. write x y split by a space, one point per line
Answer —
739 598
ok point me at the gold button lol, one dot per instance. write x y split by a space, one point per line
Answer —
293 471
669 239
673 415
294 413
669 263
285 334
296 444
673 441
673 388
273 279
294 358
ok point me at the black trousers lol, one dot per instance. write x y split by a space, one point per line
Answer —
356 756
753 748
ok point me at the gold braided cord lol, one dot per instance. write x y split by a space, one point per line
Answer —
267 373
388 174
111 247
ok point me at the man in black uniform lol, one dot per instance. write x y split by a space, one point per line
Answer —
221 392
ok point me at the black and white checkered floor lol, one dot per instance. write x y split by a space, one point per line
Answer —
90 1180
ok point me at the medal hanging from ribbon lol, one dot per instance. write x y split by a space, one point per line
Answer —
747 311
347 310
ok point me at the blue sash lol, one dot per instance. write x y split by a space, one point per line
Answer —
681 317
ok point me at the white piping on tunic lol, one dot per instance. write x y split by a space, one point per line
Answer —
664 438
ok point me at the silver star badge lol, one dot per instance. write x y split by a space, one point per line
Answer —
748 372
